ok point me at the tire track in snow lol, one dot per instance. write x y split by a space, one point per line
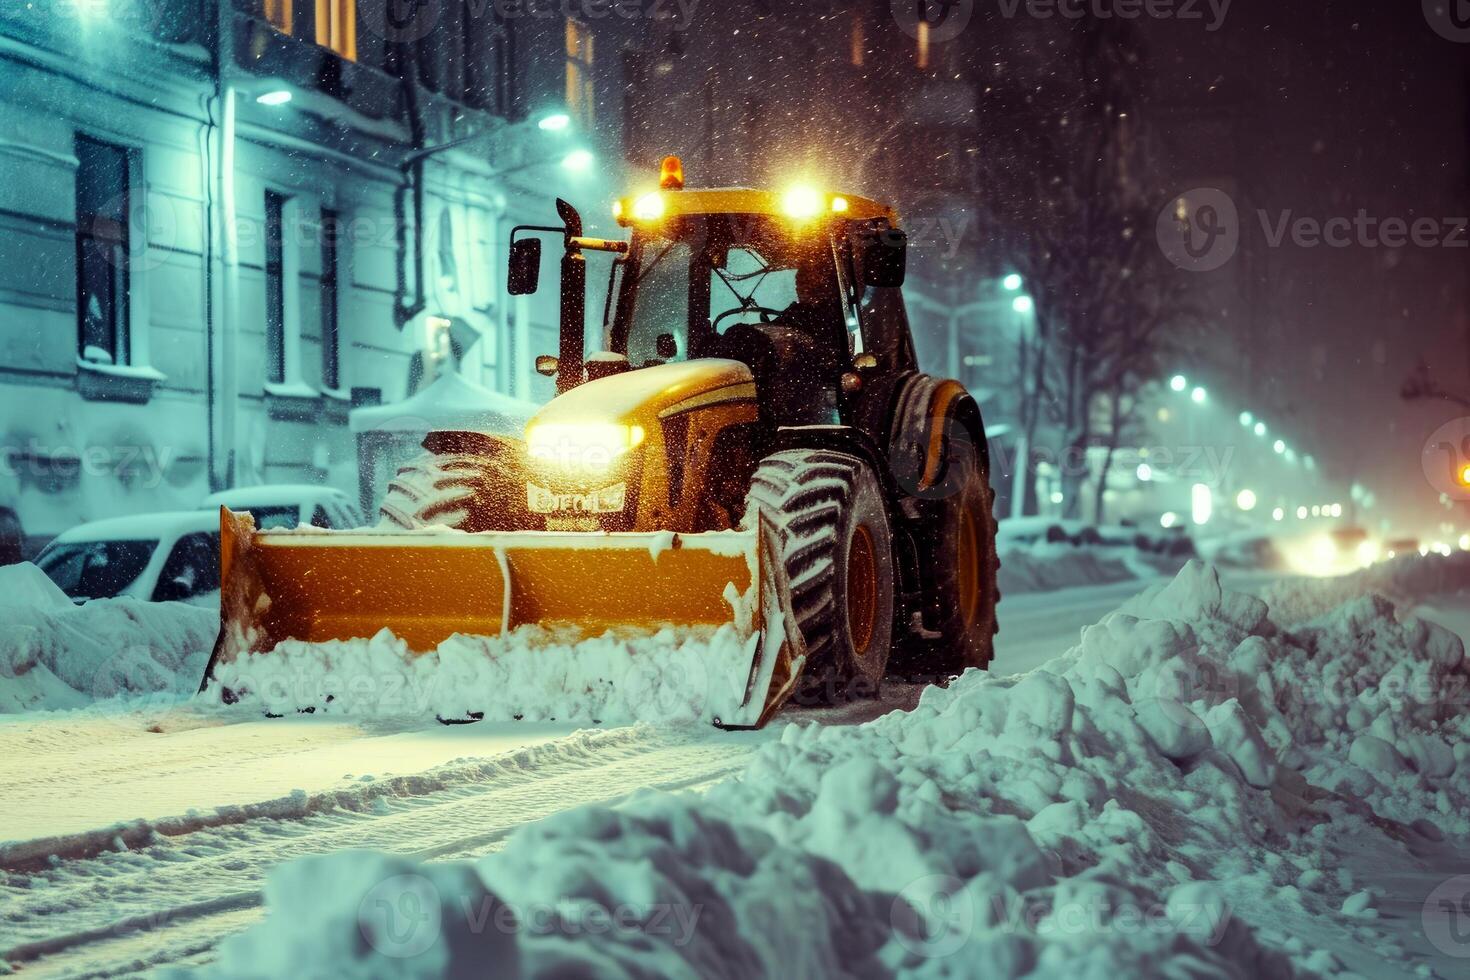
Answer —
121 911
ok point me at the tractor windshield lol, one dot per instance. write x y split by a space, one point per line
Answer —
699 277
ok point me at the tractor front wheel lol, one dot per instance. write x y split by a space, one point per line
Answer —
835 547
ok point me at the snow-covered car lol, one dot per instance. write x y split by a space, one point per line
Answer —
167 557
290 505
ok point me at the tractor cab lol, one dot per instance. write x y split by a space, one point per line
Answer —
801 286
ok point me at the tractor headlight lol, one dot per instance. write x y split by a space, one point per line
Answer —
589 446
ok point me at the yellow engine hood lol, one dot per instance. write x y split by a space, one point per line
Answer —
644 395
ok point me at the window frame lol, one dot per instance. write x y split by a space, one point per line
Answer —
120 266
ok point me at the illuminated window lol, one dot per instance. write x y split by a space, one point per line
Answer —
580 97
336 26
278 12
923 53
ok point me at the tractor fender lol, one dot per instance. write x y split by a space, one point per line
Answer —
925 411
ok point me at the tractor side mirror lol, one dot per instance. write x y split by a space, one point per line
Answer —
525 267
547 365
666 347
885 259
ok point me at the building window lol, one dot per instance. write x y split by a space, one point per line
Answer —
336 26
580 95
331 349
278 12
102 192
275 288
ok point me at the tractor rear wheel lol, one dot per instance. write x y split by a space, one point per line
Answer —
966 568
836 549
466 491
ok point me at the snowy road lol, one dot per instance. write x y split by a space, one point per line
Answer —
144 838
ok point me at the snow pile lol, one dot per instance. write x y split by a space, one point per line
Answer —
674 676
1156 801
54 654
1403 580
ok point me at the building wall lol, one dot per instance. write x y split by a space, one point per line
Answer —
67 458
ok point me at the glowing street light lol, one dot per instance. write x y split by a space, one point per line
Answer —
1301 512
1279 446
1201 503
1260 429
1168 519
1198 396
1246 500
1178 382
1246 418
1145 472
1011 283
554 122
1023 304
1278 514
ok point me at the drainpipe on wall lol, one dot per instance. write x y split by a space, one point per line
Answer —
223 296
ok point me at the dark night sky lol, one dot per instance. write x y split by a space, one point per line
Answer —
1322 109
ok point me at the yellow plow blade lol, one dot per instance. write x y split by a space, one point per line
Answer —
426 586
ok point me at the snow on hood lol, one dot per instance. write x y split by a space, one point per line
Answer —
1159 800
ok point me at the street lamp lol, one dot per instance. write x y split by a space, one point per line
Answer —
1246 419
1246 500
1023 304
1011 283
1279 446
1198 396
1260 429
1178 382
554 122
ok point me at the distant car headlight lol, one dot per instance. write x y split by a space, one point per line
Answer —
589 446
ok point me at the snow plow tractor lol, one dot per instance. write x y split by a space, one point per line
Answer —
755 445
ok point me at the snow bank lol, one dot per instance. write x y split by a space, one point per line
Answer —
1404 580
1046 567
1147 803
675 676
54 654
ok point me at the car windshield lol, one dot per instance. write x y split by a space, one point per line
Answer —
709 274
96 569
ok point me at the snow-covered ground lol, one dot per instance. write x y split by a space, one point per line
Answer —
1194 789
